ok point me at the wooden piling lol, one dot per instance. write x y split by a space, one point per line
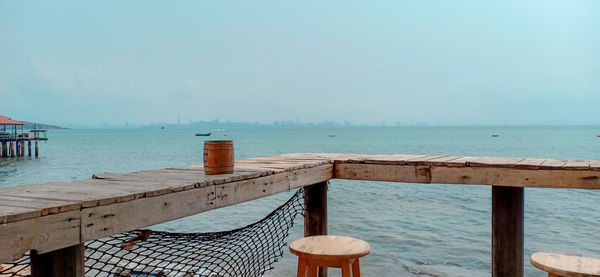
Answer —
507 231
22 148
18 146
66 262
12 149
4 149
315 216
37 148
29 148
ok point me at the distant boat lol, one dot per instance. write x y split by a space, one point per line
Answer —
332 136
495 136
203 134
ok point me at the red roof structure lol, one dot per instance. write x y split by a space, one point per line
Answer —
7 121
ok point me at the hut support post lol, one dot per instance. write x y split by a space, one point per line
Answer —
22 148
36 147
66 262
29 148
12 149
507 231
18 145
315 218
4 154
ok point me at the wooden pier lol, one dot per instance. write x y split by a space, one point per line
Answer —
55 219
13 140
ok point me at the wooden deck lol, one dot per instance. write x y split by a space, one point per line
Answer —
51 216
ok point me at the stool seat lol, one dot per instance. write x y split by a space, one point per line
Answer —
329 251
564 265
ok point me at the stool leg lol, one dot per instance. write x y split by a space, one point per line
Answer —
346 269
301 267
355 268
312 270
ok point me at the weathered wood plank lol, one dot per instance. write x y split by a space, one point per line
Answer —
553 164
517 177
229 194
385 172
44 206
530 163
495 162
102 221
595 165
51 232
577 165
11 214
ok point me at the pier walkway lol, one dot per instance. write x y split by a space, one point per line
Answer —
54 217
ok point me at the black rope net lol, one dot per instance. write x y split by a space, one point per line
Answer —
245 252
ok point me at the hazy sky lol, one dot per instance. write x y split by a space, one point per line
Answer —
449 62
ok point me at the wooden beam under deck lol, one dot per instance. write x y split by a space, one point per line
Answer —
66 214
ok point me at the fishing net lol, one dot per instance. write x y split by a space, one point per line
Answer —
245 252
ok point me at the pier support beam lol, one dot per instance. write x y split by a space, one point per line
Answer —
507 231
23 148
29 148
315 213
66 262
37 148
4 150
18 145
12 149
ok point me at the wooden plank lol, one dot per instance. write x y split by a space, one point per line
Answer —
51 232
102 221
424 160
595 165
577 165
11 214
530 163
517 177
443 161
45 206
400 159
507 231
552 164
495 162
386 172
241 191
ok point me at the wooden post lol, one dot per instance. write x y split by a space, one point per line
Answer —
4 154
315 213
66 262
18 145
507 231
22 148
29 148
36 148
12 149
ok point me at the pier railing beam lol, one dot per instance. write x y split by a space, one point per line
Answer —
66 262
315 213
507 231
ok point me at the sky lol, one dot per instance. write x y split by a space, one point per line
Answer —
89 63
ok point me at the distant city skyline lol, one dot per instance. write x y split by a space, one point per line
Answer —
90 64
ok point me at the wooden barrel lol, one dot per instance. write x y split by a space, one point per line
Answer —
218 157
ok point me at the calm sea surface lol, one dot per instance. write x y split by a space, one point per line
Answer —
414 229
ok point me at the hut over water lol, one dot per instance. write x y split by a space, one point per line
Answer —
13 138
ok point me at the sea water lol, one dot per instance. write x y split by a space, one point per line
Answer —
413 229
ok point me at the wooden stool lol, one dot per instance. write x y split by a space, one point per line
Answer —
329 251
558 265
